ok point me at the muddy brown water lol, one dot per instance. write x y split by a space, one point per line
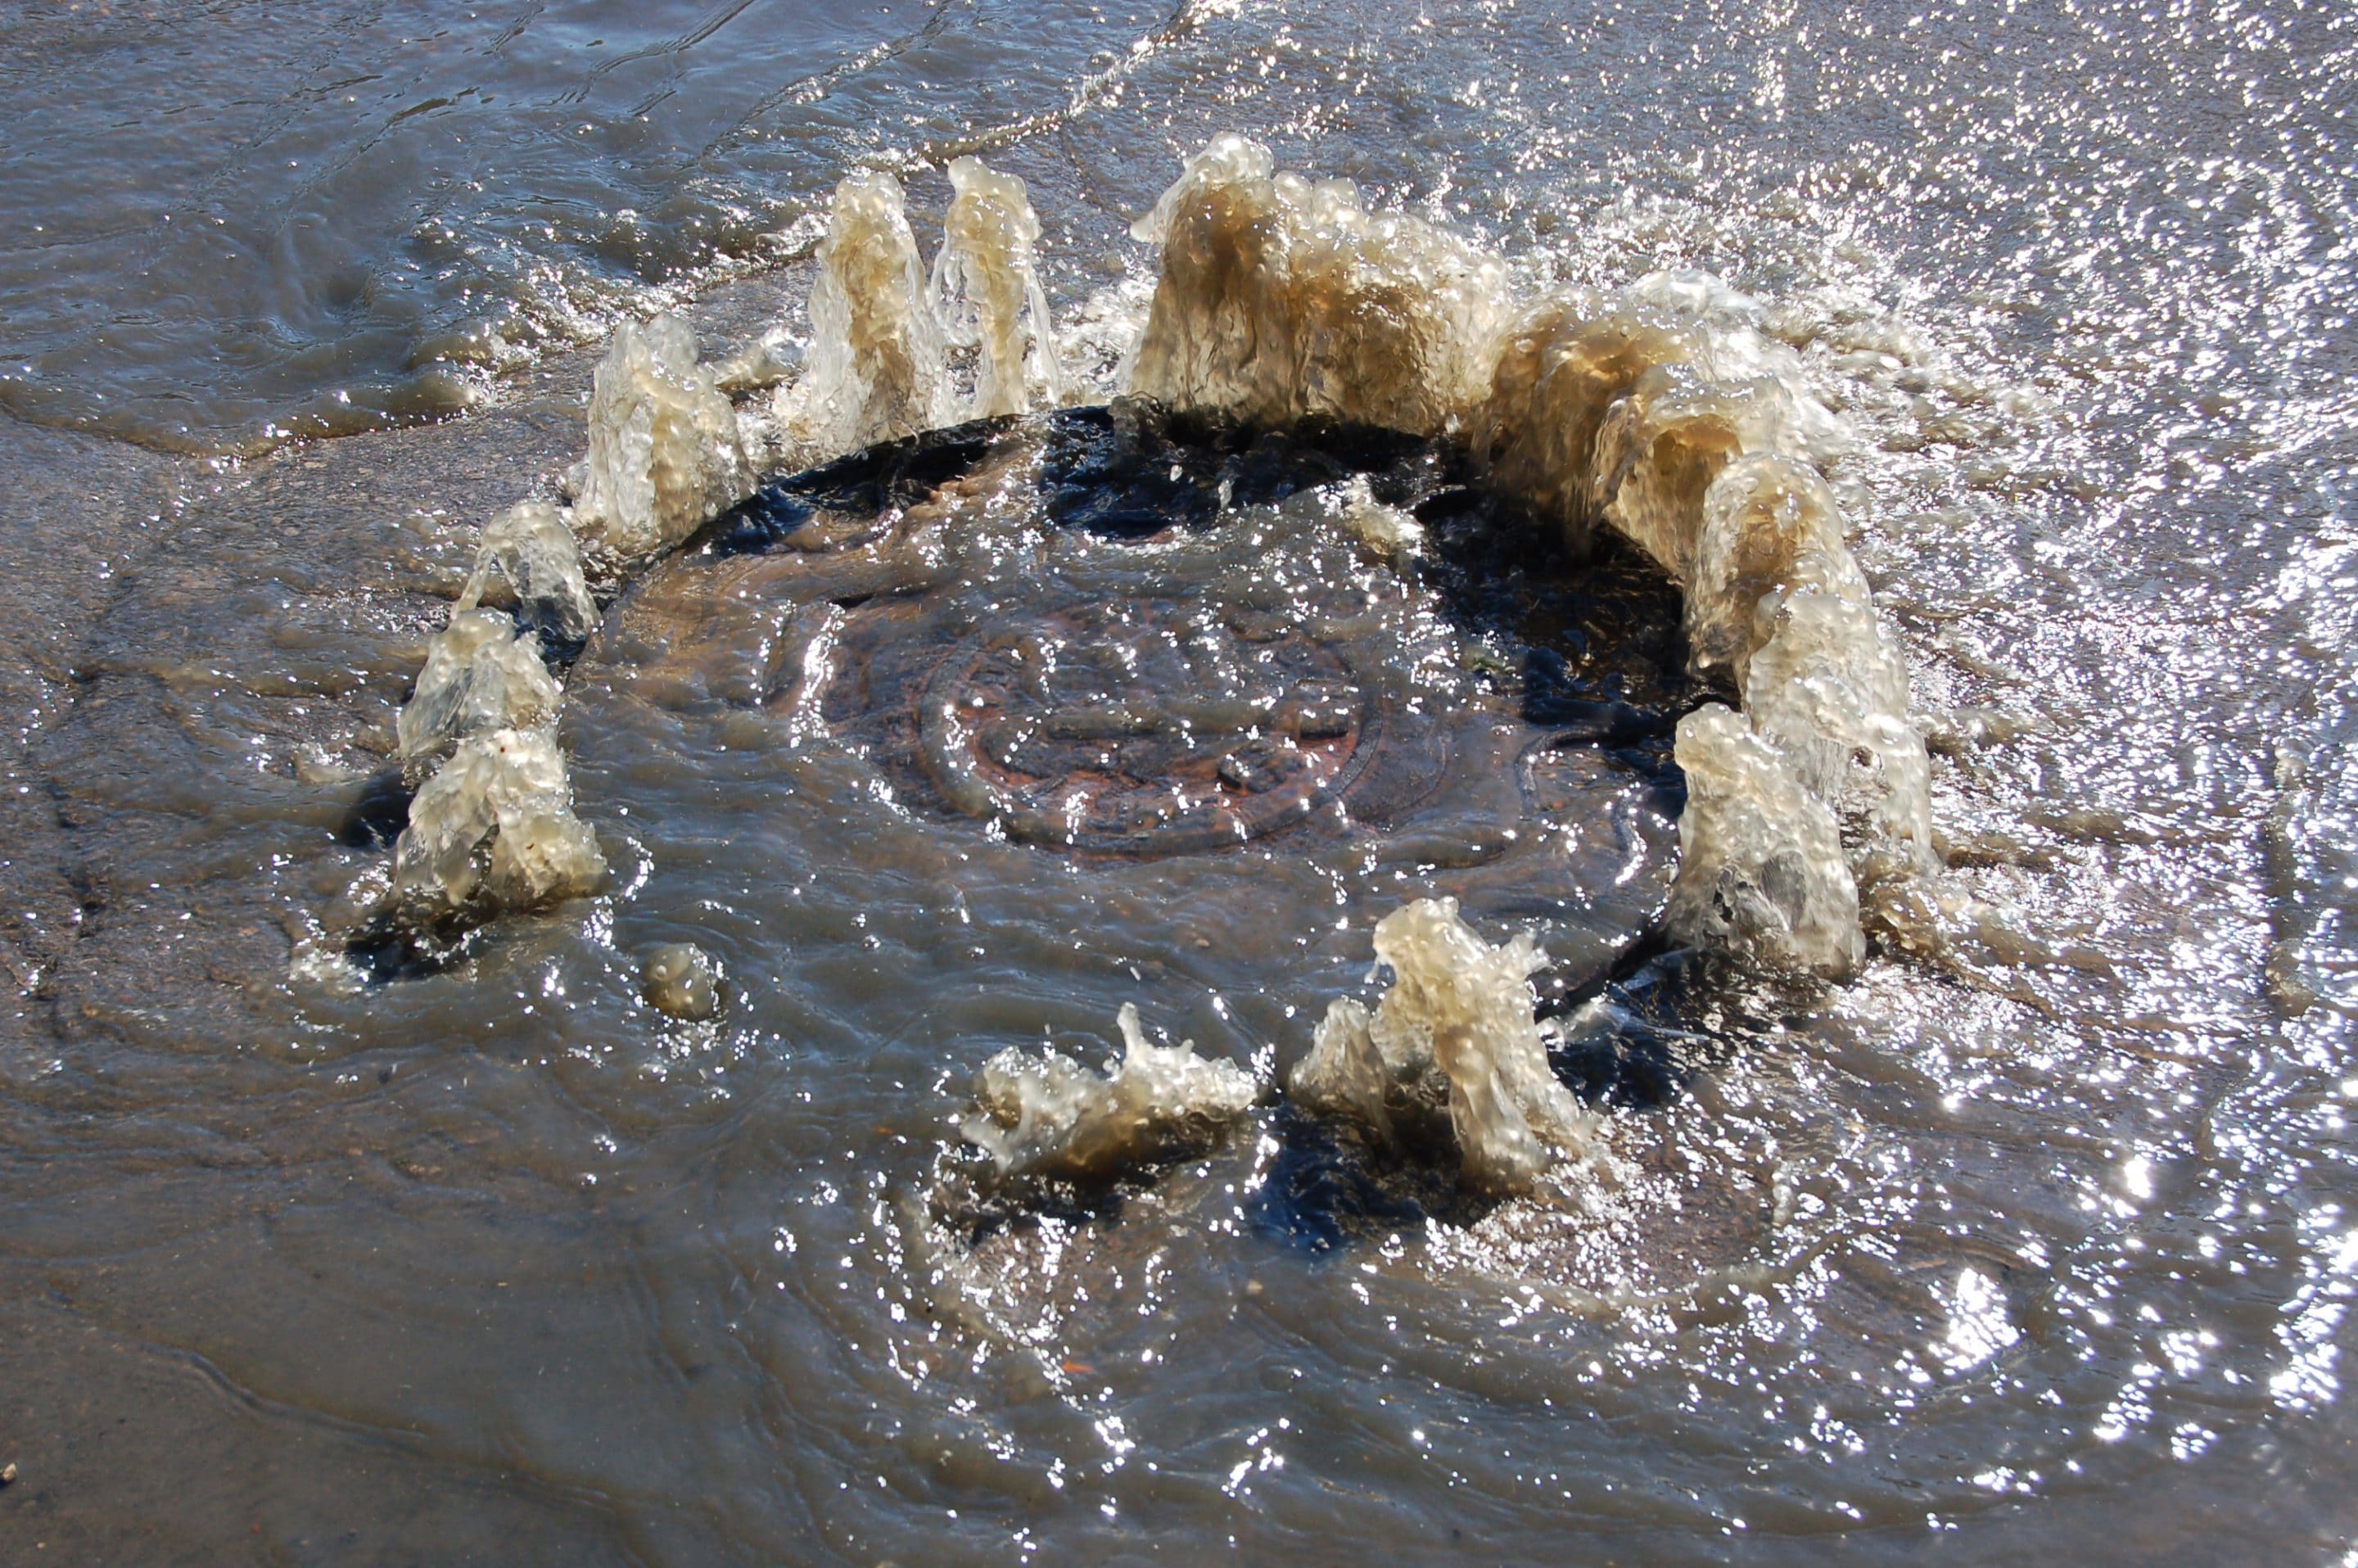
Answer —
495 1264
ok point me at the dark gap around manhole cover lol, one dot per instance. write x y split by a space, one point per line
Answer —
1328 1187
838 504
378 813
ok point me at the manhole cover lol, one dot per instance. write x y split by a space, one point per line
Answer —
1166 670
1147 728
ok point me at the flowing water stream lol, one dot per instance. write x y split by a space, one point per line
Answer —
334 1231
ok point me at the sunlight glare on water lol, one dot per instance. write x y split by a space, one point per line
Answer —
2048 1250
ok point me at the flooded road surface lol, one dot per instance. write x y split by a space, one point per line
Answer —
965 746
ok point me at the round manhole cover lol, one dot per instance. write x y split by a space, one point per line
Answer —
1117 685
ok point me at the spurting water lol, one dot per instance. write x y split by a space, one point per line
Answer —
1614 828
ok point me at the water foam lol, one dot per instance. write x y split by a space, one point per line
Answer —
1457 1030
987 290
1047 1115
1661 412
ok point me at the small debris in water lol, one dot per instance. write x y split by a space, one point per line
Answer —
681 980
1386 533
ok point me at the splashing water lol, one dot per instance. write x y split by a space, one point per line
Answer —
1280 301
665 451
1760 868
478 676
2055 1261
529 561
874 369
494 828
986 288
1662 413
1656 413
1049 1116
1459 1010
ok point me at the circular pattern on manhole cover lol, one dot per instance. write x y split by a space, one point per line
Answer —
1063 692
1147 727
